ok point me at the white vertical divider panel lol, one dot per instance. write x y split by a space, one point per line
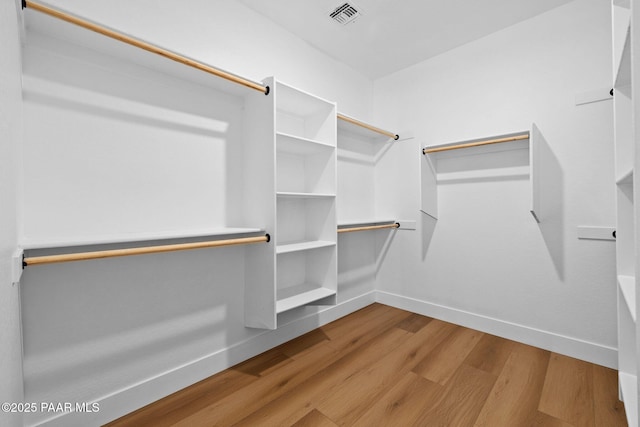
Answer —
626 48
260 208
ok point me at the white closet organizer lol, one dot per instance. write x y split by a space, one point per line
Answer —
298 177
518 140
287 159
626 49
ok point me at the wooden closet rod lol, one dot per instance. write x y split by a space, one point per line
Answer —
368 227
143 45
82 256
477 143
368 126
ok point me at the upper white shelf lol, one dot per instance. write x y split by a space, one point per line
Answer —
628 288
300 103
61 242
302 246
298 145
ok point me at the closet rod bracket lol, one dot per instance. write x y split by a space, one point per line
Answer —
267 89
24 4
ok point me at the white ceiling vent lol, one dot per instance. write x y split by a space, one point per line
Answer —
345 14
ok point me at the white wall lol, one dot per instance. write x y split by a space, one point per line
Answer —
10 137
98 161
230 36
486 262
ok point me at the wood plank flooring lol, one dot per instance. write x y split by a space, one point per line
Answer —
381 366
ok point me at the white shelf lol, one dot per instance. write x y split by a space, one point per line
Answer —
298 296
628 385
303 246
298 145
61 242
628 288
287 194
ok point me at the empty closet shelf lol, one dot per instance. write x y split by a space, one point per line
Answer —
303 246
298 296
298 145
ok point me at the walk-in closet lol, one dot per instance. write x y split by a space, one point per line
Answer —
238 212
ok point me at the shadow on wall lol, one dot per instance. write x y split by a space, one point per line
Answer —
548 197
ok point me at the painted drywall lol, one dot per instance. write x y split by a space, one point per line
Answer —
11 389
485 261
112 148
231 36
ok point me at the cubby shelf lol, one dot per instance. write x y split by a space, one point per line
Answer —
302 146
301 295
303 246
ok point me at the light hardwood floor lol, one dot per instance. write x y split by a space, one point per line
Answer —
381 366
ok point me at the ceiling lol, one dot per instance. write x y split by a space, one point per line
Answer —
393 34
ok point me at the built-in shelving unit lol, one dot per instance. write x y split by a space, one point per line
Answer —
626 116
306 198
299 179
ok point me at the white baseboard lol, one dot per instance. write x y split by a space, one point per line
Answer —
138 395
583 350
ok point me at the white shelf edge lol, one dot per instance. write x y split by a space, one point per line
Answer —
288 194
302 299
27 243
629 388
303 246
305 140
627 286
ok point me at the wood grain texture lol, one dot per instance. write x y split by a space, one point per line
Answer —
381 366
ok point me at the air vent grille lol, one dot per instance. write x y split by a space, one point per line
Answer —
345 14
